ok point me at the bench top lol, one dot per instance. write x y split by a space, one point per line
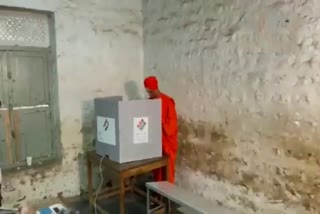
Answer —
191 201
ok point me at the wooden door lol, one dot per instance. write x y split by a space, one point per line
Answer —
31 106
25 113
6 149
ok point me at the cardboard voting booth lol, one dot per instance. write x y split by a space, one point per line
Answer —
128 130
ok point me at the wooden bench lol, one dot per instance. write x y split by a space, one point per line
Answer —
191 202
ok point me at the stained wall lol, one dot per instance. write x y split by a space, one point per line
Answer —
245 77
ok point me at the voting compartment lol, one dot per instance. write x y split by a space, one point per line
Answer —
128 130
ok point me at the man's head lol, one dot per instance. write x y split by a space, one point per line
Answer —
151 85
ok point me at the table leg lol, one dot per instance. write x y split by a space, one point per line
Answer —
89 180
122 194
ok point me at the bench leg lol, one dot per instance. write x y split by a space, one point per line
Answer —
148 201
167 206
151 210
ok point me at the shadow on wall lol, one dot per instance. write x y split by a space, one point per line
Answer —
132 90
133 93
88 144
88 140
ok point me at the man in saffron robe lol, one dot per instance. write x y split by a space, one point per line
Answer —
169 127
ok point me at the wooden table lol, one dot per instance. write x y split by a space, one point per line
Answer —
125 170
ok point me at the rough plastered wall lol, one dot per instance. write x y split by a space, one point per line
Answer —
245 77
99 50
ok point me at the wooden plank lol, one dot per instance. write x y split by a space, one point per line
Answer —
7 125
17 122
108 190
146 168
124 166
108 193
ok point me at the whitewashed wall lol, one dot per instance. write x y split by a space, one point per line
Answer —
99 50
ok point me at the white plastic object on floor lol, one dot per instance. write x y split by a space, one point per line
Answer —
29 160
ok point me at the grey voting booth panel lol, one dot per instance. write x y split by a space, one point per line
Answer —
128 130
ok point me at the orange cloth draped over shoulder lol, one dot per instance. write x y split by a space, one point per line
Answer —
169 131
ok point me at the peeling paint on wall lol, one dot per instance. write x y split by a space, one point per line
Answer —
206 148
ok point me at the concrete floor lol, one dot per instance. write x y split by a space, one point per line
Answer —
134 205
